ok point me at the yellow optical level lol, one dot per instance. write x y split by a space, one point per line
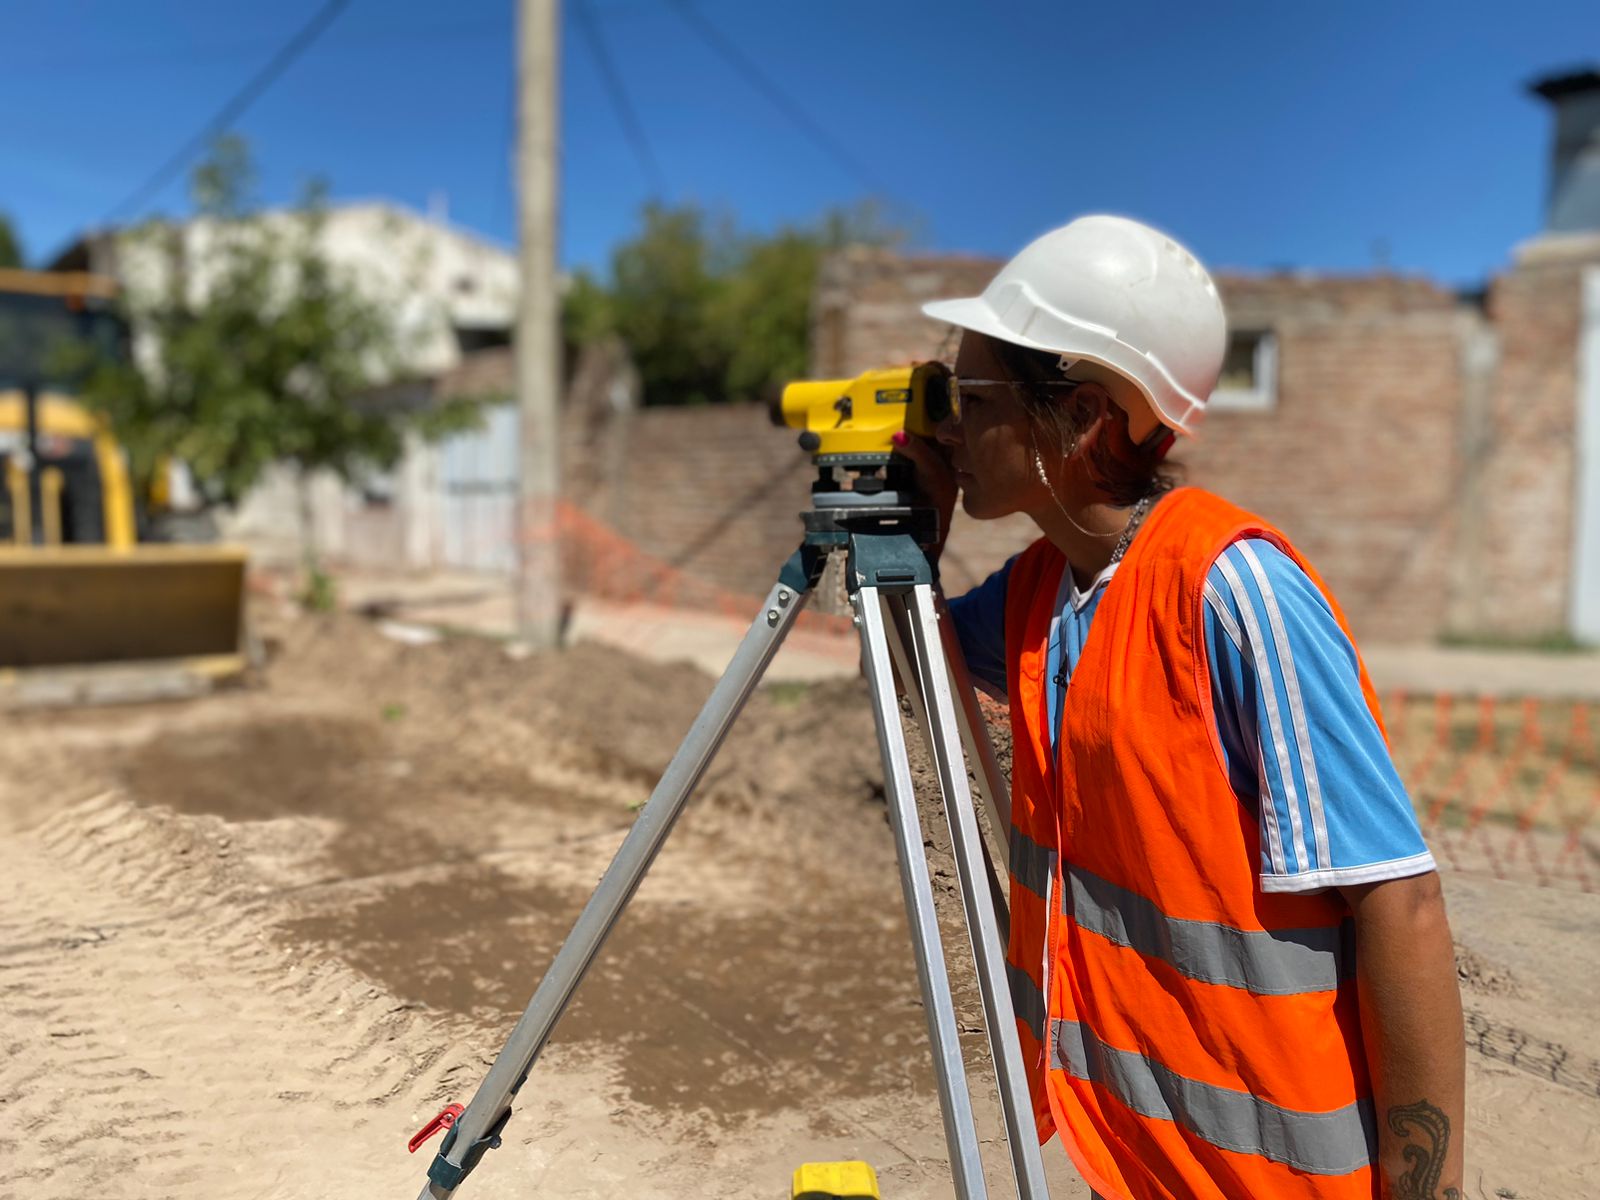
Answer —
853 419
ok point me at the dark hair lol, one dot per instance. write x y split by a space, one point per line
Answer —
1125 470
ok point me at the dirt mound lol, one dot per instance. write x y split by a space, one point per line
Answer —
589 707
458 804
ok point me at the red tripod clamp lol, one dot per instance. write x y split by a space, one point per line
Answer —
447 1117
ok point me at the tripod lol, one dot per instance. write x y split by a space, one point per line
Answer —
904 629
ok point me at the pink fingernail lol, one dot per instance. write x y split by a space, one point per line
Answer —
898 437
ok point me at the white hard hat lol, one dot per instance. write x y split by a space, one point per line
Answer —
1111 291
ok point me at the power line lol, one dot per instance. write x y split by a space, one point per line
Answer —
619 96
757 79
235 107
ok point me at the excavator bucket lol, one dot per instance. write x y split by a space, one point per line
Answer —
87 613
85 623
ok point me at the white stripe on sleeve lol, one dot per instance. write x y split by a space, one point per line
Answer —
1297 709
1393 868
1264 681
1219 608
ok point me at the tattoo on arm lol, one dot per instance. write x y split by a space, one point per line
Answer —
1425 1150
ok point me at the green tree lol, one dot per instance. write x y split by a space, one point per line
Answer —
664 285
253 348
10 246
763 314
709 313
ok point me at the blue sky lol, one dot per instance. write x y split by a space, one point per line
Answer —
1320 136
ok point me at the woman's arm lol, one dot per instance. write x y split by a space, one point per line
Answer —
1416 1044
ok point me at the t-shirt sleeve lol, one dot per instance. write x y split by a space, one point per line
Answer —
980 619
1297 733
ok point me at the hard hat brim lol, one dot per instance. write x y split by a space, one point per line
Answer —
975 313
970 312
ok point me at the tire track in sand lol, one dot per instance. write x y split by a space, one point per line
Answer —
180 1052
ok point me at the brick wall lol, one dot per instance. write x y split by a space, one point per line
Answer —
1529 459
1359 459
1419 450
716 490
867 308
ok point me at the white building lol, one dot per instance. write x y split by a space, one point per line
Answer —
453 297
451 291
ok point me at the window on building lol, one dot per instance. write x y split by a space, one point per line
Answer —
1249 371
378 489
471 339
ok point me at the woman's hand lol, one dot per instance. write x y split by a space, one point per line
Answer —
936 479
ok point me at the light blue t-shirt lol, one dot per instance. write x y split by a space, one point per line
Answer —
1302 748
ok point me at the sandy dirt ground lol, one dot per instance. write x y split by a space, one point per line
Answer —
250 943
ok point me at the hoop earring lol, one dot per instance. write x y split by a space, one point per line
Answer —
1044 478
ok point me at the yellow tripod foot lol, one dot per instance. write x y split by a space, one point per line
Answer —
835 1181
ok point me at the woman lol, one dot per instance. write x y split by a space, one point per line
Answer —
1231 967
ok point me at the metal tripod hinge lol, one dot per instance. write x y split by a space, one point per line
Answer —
904 628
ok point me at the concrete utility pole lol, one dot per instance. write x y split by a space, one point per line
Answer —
538 341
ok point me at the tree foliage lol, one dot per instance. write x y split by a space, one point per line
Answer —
10 245
711 313
251 347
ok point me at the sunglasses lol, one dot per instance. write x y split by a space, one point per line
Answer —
958 389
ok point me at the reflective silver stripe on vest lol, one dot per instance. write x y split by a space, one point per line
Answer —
1026 999
1277 962
1032 865
1319 1143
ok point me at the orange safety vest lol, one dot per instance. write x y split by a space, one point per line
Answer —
1187 1033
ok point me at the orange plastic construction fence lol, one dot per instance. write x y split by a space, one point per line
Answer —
1504 785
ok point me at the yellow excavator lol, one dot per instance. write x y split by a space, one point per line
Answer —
88 611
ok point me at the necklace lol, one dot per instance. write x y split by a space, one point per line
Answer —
1135 519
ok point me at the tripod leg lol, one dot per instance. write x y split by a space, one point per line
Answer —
899 639
478 1129
928 649
974 732
961 1134
980 753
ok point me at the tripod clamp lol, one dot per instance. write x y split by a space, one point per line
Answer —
448 1175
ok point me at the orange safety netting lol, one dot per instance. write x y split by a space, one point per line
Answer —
1506 786
598 561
